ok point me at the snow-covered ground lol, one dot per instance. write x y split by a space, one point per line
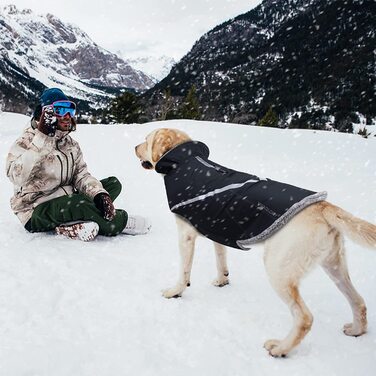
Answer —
95 309
362 126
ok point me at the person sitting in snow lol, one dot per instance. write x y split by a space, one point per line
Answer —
53 189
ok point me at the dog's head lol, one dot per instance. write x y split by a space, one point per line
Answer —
157 144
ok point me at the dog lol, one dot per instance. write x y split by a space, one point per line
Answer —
313 235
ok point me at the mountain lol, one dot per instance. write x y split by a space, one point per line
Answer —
40 50
298 56
155 67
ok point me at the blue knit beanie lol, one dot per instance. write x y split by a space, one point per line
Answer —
52 95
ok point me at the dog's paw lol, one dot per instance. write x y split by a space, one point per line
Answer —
172 293
220 282
274 348
353 330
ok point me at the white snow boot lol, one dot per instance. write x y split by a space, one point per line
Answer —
84 231
137 225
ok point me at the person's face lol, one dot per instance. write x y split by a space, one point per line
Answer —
64 122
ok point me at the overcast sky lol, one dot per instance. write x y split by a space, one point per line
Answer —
142 27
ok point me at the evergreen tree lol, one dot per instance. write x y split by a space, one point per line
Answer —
190 108
270 119
125 108
343 122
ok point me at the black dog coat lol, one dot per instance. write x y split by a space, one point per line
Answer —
227 206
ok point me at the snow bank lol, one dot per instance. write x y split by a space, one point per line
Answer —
72 308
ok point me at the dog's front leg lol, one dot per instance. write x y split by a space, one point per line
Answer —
187 237
222 269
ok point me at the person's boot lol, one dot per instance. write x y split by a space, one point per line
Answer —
84 231
137 225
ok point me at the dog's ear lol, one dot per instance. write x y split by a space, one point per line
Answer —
164 140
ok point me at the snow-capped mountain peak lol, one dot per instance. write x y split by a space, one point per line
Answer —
155 67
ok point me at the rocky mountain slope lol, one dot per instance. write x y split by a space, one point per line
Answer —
40 50
313 57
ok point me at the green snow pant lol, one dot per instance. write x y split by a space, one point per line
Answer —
78 207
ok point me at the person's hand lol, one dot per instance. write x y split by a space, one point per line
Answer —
105 205
47 123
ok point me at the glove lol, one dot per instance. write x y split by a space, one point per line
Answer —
105 205
48 122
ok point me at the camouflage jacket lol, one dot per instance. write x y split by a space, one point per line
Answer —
42 168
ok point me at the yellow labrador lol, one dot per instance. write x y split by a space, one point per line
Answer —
313 236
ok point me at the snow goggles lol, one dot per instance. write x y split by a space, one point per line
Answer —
61 108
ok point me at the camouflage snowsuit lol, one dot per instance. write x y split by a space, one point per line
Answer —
48 173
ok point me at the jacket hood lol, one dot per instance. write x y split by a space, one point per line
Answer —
181 154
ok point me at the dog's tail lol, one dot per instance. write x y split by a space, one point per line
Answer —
358 230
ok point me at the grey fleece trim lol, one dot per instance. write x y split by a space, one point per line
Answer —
282 220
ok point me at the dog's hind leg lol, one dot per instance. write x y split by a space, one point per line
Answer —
222 269
336 267
286 263
302 317
187 238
